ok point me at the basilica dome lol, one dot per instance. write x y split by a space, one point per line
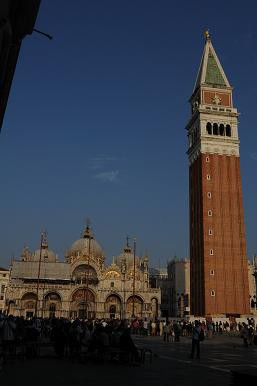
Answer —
127 257
46 255
87 245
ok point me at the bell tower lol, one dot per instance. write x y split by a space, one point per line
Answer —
219 281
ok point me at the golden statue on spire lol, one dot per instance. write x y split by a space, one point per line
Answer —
207 35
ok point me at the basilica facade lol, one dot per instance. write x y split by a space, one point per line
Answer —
82 286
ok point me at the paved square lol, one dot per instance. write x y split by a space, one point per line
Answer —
171 366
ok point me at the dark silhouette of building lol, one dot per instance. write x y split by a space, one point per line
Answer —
17 19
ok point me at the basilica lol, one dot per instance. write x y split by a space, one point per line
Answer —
82 286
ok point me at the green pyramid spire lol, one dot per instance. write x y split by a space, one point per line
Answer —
213 73
210 71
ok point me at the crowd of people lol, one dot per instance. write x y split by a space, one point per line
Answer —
70 337
172 330
67 337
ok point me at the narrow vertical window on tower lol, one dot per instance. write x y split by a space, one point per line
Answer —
208 177
209 213
207 159
215 129
211 252
210 232
212 292
228 130
222 129
209 194
209 128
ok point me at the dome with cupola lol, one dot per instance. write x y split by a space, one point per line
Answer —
86 245
127 258
41 254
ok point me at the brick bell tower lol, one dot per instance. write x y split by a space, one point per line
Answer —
219 279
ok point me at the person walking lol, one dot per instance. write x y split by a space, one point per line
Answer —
196 336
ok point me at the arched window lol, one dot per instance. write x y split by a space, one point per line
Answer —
222 129
215 129
209 128
228 130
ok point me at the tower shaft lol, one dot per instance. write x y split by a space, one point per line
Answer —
219 271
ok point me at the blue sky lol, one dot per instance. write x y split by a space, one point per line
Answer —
95 122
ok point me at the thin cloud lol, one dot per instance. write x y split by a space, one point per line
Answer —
100 162
253 156
110 176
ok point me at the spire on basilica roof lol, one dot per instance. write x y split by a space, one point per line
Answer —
25 254
210 73
88 233
127 248
44 241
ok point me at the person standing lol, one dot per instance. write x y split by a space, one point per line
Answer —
161 327
166 332
145 327
196 340
250 335
210 330
177 331
244 335
8 327
153 325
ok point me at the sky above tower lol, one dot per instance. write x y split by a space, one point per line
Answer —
95 123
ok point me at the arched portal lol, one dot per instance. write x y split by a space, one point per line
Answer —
83 304
52 305
113 307
28 304
134 306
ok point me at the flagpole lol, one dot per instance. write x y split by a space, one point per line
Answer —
39 269
134 278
